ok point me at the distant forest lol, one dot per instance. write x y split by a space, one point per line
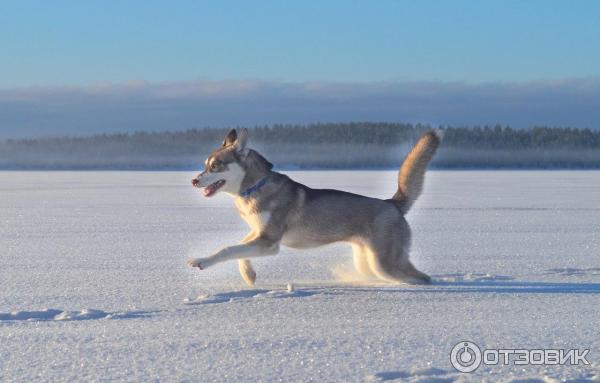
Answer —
364 145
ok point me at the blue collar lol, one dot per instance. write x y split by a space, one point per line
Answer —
254 188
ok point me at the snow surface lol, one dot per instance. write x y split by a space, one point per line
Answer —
94 284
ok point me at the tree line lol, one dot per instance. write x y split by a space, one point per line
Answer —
326 145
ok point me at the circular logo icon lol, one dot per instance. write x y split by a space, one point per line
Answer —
465 357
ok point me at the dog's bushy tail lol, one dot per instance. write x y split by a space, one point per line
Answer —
412 171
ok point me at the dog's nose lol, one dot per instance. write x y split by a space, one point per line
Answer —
195 181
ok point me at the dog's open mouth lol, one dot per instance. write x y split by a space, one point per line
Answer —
211 189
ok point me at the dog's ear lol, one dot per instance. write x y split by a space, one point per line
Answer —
241 141
230 138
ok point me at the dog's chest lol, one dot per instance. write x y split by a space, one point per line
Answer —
257 220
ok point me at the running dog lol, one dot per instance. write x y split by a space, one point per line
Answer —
281 211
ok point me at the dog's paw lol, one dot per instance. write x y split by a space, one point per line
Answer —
195 262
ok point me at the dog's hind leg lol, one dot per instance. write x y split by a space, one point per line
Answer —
390 245
376 259
361 261
415 275
395 267
389 261
386 269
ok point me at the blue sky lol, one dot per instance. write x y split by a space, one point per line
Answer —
86 42
82 67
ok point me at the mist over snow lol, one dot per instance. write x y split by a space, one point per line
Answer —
139 105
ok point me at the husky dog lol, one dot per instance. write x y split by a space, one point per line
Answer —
281 211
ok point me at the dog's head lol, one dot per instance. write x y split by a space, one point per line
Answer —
232 165
223 170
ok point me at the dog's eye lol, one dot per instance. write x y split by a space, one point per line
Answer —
214 165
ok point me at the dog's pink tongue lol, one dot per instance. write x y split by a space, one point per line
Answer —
208 191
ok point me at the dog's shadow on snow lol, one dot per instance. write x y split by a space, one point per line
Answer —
512 287
486 283
468 283
477 286
493 286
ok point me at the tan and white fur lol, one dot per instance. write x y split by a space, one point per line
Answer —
280 211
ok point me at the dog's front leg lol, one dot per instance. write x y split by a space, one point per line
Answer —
258 247
246 270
